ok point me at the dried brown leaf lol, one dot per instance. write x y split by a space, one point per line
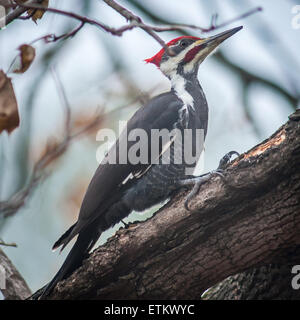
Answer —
9 115
24 59
38 14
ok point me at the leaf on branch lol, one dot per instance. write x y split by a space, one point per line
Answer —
38 14
9 115
23 60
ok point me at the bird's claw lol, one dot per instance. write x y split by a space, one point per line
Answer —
226 159
197 185
219 171
191 195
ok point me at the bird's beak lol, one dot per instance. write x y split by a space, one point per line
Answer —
206 46
214 41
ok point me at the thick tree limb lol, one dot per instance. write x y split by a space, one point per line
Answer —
15 286
249 220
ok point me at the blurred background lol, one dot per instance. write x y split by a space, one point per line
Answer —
252 84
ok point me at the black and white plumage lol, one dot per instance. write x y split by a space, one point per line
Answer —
117 189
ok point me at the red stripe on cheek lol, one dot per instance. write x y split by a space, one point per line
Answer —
191 54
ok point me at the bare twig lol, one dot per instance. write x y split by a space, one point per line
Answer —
18 11
83 19
129 16
3 243
242 16
53 38
16 201
53 151
134 22
213 24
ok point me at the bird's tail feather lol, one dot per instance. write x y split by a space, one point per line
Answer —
83 244
62 239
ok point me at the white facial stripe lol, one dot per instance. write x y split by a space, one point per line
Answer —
189 67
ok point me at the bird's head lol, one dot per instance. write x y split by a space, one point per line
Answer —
188 53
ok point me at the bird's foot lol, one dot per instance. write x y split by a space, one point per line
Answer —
198 181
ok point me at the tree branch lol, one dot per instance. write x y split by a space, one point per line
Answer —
270 282
3 243
248 220
18 11
135 22
53 151
53 38
15 286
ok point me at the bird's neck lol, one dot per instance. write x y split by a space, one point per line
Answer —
186 87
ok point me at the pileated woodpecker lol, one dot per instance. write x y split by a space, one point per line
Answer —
117 189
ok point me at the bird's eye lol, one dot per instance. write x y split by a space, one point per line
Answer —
183 43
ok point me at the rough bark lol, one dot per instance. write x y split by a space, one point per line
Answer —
15 286
245 221
270 282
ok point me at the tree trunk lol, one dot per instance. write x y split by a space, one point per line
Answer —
248 220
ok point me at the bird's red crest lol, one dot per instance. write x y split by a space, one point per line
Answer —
156 59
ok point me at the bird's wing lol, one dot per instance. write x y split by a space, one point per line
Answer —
161 112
